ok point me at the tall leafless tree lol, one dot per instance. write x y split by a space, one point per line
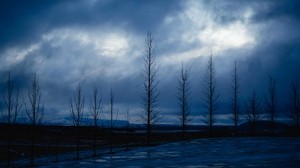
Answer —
295 103
76 107
36 111
253 109
111 111
183 96
128 119
96 108
13 107
210 93
235 91
272 106
149 93
11 102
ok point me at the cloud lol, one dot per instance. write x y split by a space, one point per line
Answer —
64 57
94 48
196 31
101 43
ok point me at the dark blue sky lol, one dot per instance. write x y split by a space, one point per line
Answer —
101 43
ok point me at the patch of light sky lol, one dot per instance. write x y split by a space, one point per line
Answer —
112 50
196 25
80 50
16 55
109 44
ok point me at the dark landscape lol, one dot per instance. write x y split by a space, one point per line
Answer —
52 142
140 83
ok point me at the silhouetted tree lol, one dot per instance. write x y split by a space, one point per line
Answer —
111 111
11 102
76 107
127 118
272 105
253 110
295 104
13 107
36 111
183 96
235 91
96 108
149 88
210 93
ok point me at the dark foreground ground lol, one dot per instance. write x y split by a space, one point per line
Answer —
220 152
24 142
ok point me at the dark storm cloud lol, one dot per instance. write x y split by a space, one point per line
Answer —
100 43
22 21
25 21
277 9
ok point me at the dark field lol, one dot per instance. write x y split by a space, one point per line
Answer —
59 143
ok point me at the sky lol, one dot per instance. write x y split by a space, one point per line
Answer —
101 43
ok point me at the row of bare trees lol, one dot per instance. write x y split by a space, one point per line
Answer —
12 108
13 104
76 107
253 109
256 111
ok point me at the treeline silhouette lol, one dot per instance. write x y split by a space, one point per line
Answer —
34 139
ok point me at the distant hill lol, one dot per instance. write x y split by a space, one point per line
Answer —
67 121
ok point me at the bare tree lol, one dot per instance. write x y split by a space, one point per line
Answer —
149 93
253 110
128 119
183 96
13 107
96 108
295 104
111 110
111 107
235 91
8 101
76 107
271 107
210 93
17 107
11 102
36 111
